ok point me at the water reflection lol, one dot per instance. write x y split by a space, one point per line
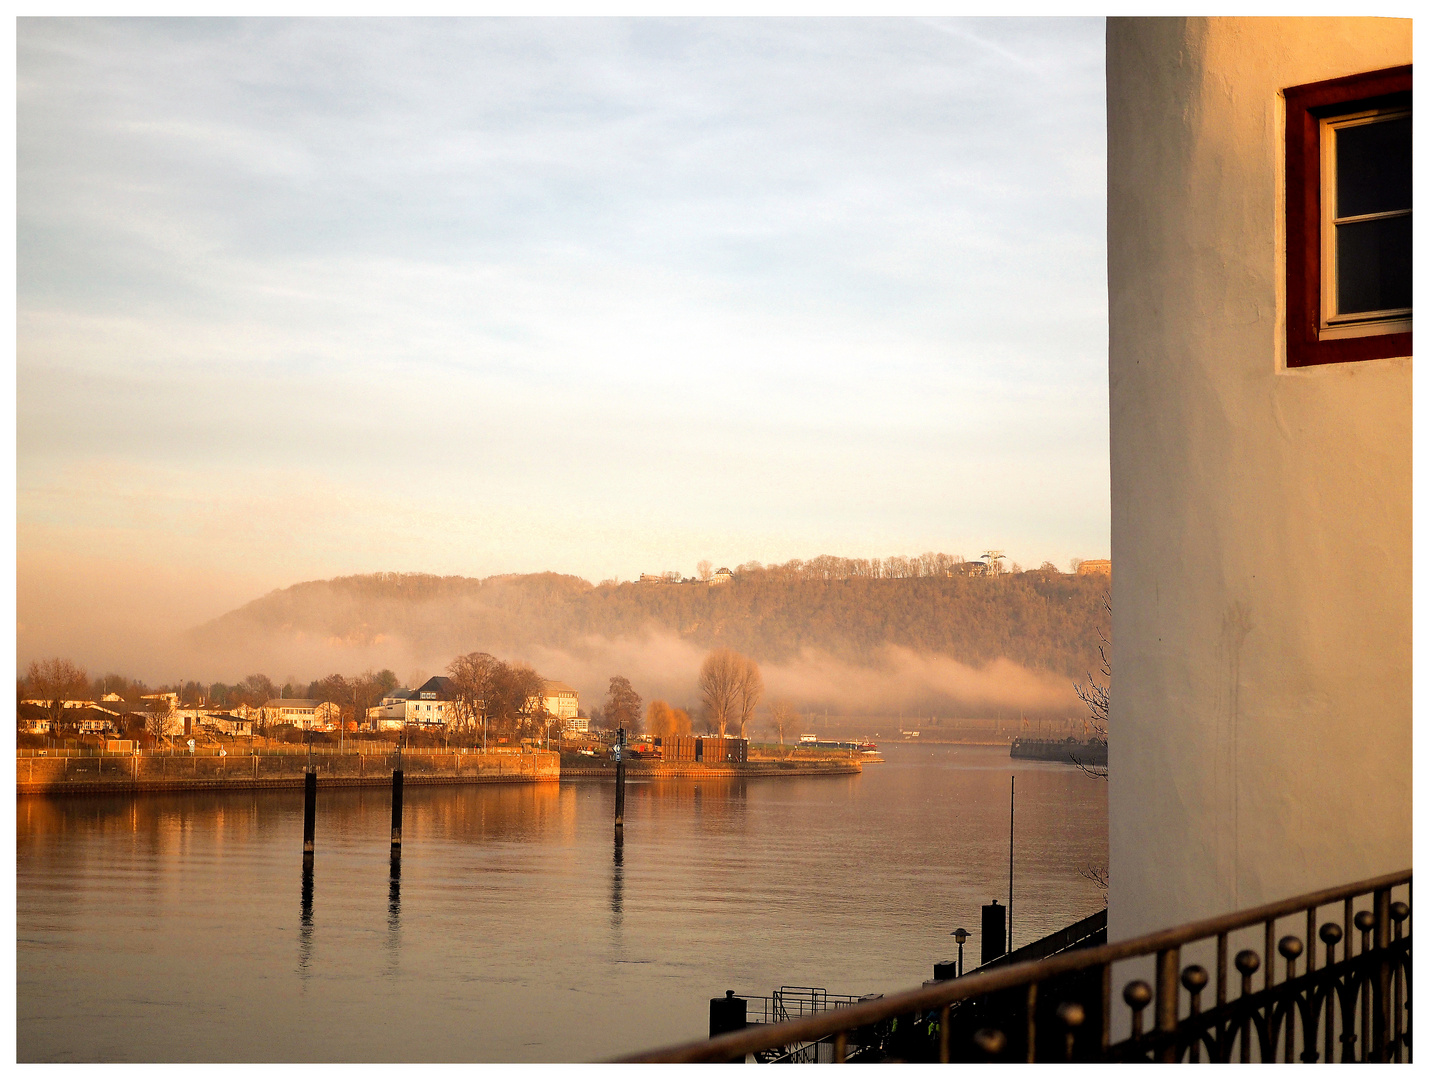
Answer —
394 891
116 896
305 920
617 885
392 966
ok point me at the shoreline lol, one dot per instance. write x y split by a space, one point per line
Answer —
138 774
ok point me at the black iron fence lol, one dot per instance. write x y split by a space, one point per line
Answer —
1286 1001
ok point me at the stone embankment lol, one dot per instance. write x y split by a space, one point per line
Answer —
641 770
202 772
188 772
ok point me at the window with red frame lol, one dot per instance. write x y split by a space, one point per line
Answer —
1349 266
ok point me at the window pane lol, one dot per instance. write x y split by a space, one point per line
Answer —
1375 264
1372 165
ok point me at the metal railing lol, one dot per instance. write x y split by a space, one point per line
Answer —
1061 1008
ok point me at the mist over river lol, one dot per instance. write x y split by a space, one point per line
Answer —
178 927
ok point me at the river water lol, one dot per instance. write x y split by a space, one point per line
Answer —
180 927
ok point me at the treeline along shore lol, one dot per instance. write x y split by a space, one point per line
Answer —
59 773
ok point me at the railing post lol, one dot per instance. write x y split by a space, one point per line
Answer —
1382 975
1168 967
1031 1023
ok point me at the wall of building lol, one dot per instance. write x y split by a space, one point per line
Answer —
1260 724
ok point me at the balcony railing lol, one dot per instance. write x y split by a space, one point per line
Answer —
1349 1005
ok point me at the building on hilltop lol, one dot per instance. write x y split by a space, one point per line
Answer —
1095 566
722 576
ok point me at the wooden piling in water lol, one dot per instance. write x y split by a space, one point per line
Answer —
396 808
310 809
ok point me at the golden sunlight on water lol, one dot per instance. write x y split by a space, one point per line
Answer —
182 928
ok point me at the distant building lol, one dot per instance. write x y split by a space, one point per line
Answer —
227 724
722 576
561 701
429 705
392 713
650 579
309 714
579 724
1095 566
194 721
92 721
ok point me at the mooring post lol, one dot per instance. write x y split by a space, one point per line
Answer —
397 804
620 782
310 809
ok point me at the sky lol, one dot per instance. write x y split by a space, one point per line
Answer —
315 297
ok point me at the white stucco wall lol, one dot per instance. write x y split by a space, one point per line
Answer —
1260 732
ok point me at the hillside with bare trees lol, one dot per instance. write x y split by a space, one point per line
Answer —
847 609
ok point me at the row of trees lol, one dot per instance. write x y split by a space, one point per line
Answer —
490 696
730 687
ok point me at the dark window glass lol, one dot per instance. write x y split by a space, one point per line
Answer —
1372 165
1375 264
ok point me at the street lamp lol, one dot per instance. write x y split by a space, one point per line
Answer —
960 935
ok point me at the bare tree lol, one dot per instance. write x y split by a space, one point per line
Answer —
156 721
473 685
1097 874
368 690
719 687
1096 696
622 704
55 681
783 716
704 569
751 689
526 692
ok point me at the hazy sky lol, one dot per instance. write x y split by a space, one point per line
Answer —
305 298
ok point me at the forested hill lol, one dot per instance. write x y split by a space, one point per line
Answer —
1041 619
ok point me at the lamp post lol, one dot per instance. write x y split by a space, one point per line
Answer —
960 935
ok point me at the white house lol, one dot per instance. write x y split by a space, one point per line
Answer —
427 706
560 700
1261 433
309 714
391 714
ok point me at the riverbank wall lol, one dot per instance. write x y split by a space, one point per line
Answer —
200 772
693 770
122 773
